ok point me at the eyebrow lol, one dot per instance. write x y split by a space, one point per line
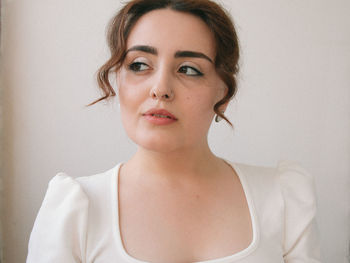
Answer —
178 54
147 49
191 54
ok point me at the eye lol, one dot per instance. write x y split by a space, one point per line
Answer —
138 66
190 71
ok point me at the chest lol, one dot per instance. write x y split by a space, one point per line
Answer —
167 225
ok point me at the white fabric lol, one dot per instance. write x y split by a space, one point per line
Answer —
78 219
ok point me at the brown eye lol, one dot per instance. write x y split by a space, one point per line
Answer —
190 71
138 66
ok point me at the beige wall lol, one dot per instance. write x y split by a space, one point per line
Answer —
294 103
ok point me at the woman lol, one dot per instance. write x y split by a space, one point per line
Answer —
175 63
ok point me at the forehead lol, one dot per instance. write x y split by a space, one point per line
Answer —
170 31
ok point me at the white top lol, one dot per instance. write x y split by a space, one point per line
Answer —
78 219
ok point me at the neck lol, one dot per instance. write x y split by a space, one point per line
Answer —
185 165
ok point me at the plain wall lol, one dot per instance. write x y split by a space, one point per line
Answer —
293 103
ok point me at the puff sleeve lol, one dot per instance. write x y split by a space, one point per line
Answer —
59 231
300 242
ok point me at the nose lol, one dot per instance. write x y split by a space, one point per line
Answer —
162 87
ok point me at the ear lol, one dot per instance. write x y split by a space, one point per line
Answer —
223 91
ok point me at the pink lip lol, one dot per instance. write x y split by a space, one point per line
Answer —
152 118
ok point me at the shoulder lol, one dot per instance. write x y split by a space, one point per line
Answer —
85 186
285 199
258 180
62 186
298 191
301 236
288 189
296 182
60 229
66 192
93 184
287 175
62 189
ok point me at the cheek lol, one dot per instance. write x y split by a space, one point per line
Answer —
200 107
130 94
129 105
201 104
129 110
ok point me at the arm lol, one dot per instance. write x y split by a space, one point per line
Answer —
59 231
300 242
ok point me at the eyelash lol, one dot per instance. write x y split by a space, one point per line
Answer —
135 66
198 73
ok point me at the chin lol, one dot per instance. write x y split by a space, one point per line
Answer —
156 143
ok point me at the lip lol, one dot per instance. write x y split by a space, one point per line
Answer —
159 112
151 116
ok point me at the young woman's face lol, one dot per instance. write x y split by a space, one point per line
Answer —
167 84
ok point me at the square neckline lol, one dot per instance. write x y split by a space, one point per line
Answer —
234 257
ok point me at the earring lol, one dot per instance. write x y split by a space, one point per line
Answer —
218 118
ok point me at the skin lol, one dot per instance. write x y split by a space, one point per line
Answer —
181 147
174 176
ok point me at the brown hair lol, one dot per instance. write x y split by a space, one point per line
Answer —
227 47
